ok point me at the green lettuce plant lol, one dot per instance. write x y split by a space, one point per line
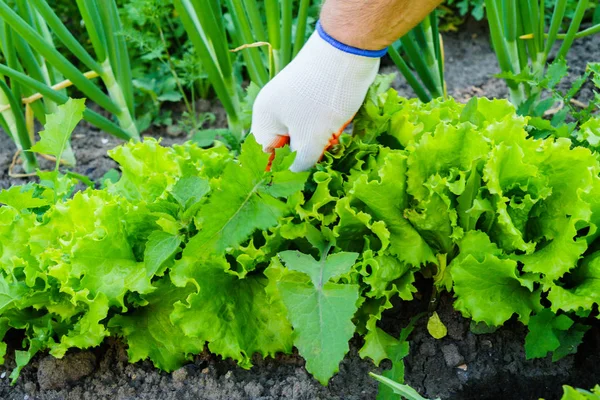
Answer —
193 247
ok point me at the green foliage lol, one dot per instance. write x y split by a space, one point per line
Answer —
194 247
30 31
556 112
473 8
164 66
549 332
523 41
405 391
320 311
54 140
570 393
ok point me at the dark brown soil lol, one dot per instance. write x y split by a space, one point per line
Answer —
461 366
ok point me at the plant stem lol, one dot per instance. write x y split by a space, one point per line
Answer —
286 32
116 93
301 26
24 142
408 75
191 111
573 28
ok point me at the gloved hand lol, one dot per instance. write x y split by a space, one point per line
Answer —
314 98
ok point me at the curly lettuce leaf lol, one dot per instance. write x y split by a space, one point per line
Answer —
488 288
54 139
385 198
582 290
235 316
149 332
25 197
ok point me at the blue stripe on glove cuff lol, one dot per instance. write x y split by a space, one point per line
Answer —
349 49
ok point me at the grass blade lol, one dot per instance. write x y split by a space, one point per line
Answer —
525 13
437 45
256 20
534 15
212 26
273 20
496 32
510 19
123 66
256 67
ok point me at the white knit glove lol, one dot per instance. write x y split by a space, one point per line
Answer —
314 98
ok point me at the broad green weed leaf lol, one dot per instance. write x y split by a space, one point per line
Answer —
377 345
549 332
569 341
63 186
321 312
399 389
556 72
380 345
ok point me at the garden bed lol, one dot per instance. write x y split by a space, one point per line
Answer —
461 366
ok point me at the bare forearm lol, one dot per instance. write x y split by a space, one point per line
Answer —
373 24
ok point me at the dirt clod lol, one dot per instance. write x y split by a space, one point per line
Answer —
180 375
451 355
56 373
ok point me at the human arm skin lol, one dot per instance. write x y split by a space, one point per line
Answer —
309 103
373 24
